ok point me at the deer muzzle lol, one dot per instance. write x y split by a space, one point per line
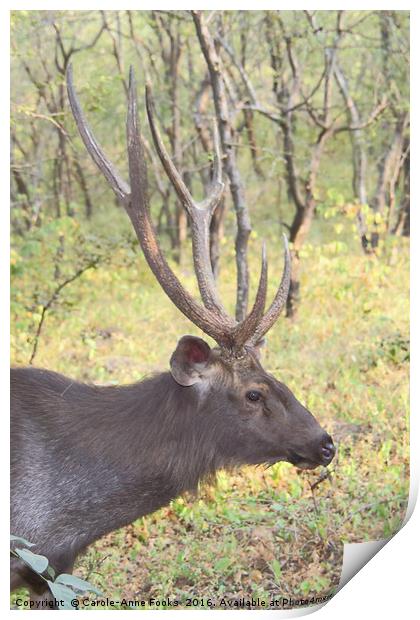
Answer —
321 452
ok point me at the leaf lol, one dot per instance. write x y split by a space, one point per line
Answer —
276 568
78 584
20 540
279 507
38 563
222 564
64 594
255 576
30 248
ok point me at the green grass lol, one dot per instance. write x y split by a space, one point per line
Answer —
261 533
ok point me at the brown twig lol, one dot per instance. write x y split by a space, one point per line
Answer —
91 265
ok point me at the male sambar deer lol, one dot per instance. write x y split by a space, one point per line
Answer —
87 460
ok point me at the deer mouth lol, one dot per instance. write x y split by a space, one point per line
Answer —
302 462
295 459
323 455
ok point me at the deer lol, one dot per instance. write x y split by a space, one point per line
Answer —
89 459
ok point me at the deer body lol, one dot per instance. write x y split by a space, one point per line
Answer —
106 459
87 460
104 456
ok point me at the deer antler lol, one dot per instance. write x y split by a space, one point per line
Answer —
273 313
212 317
139 213
200 213
117 183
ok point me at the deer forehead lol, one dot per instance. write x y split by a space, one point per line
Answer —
240 372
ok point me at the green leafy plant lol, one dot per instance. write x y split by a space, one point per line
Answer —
65 588
392 349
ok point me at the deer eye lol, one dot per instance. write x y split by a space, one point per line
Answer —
253 395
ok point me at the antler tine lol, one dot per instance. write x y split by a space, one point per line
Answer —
200 215
279 301
117 183
170 169
244 331
138 211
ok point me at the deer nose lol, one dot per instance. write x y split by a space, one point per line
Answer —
327 449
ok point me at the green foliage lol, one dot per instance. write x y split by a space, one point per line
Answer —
38 563
21 541
80 585
65 588
394 348
47 261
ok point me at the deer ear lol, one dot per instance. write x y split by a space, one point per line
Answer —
189 360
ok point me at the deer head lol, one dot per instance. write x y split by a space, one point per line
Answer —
266 421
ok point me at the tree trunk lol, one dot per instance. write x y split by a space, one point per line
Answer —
217 222
402 226
389 166
85 191
298 233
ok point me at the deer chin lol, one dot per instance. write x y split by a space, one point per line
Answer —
294 459
301 462
306 465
